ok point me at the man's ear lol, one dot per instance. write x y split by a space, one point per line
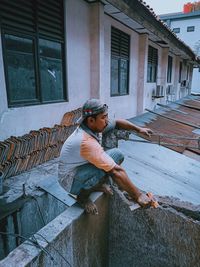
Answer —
90 120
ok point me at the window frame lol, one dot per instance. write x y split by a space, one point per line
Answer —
35 36
18 103
180 71
169 69
152 64
119 59
176 30
190 28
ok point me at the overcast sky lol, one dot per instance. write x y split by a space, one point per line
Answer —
166 6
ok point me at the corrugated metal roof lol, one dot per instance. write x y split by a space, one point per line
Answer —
174 125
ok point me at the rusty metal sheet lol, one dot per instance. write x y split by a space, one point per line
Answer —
169 122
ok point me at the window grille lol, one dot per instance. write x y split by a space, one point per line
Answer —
120 54
152 64
169 69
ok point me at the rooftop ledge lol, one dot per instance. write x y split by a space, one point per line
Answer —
123 233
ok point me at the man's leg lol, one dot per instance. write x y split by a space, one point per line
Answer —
89 178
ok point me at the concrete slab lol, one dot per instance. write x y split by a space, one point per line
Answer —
160 170
52 187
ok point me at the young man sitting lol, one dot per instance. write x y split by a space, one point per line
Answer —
84 166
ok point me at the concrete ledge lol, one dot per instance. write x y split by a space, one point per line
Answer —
162 237
74 237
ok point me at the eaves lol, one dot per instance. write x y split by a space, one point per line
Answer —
144 16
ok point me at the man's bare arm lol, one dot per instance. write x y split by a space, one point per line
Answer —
127 125
120 177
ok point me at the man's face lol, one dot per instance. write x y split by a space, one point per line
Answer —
99 123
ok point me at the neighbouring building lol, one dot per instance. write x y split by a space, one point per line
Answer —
57 54
186 25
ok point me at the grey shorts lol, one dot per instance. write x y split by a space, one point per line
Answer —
88 175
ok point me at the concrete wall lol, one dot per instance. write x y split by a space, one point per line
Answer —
27 217
73 237
121 235
152 237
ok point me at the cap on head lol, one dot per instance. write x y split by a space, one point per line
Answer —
92 107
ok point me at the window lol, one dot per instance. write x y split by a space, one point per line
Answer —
33 48
188 72
152 64
120 43
169 69
176 30
190 29
180 72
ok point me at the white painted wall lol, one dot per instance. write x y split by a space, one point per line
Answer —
190 38
193 40
18 121
196 81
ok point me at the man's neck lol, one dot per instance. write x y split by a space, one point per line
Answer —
90 131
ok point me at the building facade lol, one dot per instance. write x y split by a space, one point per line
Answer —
187 28
57 54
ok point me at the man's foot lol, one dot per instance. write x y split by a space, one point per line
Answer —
86 203
147 200
88 206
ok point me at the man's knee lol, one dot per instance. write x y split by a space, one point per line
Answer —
116 155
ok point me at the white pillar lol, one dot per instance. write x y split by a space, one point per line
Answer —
142 63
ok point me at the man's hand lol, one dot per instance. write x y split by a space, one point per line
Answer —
146 131
146 200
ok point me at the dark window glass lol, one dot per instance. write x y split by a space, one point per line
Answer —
120 43
152 64
169 69
190 29
123 76
51 77
33 38
114 76
180 72
20 69
176 30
